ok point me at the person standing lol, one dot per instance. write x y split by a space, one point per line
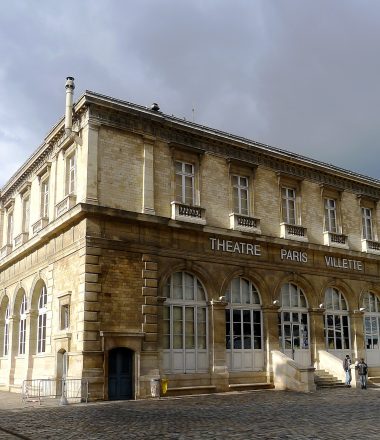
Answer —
362 368
347 369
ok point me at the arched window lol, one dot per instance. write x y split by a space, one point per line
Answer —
6 331
41 329
371 303
337 324
243 325
22 327
294 323
185 324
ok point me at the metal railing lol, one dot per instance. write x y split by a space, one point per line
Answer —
68 390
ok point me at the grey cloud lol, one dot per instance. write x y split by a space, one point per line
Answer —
299 74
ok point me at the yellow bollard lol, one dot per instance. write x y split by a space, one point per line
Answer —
164 386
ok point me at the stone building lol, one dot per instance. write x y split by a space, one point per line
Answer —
136 246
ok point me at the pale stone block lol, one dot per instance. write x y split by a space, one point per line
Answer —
149 274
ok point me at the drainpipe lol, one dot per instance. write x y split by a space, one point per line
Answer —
70 86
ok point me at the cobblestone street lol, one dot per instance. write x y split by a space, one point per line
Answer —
326 414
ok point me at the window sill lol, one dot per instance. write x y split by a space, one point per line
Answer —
335 240
371 246
244 223
293 232
39 225
64 205
188 213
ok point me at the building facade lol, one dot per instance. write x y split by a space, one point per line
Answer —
136 246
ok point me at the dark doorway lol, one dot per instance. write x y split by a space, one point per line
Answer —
120 372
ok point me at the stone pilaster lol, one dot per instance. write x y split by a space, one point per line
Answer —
219 371
92 161
317 336
148 176
357 334
31 341
12 349
271 336
149 359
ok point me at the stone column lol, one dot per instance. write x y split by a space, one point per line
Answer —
148 176
31 340
271 336
317 337
357 334
12 349
219 371
92 162
149 358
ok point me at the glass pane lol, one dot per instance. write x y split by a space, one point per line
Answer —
235 289
177 342
201 293
255 296
189 286
343 302
188 168
285 299
335 301
201 342
245 291
247 342
177 285
178 188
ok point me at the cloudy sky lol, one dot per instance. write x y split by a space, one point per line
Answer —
302 75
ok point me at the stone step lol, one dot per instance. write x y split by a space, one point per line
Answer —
251 386
196 389
324 379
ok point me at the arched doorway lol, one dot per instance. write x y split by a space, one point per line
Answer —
294 324
120 374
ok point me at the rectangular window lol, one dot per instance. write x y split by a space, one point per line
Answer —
22 336
71 174
45 199
331 216
10 228
288 196
240 194
41 337
25 214
367 223
184 182
65 316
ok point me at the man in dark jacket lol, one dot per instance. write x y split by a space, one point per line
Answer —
347 369
362 368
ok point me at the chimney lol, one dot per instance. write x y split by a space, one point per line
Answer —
69 104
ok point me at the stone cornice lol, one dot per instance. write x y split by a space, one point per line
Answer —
244 151
141 120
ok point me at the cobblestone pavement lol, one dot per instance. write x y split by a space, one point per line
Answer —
326 414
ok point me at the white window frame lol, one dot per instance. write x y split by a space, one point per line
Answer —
45 198
10 228
239 357
338 312
71 173
289 203
22 326
180 188
371 303
25 213
240 187
6 330
41 321
197 307
293 308
367 223
331 215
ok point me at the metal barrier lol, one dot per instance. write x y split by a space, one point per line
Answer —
69 390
